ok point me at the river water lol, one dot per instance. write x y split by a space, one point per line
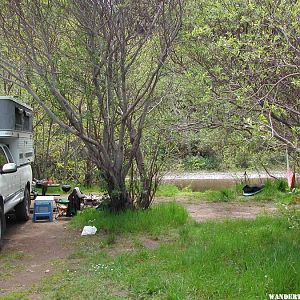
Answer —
201 181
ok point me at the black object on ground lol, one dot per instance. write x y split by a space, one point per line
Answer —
75 199
250 190
66 188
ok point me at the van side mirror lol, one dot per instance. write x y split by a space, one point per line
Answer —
9 168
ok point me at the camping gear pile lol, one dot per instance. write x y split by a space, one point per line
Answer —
67 207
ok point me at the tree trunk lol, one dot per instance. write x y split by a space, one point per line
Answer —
119 196
88 178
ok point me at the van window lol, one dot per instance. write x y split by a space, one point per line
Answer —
19 118
8 155
3 159
27 116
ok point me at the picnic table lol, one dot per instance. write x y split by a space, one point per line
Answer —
44 185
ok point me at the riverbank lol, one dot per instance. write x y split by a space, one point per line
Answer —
202 181
274 190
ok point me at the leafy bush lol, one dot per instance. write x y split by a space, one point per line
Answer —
194 163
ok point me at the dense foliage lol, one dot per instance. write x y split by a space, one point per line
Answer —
93 67
222 92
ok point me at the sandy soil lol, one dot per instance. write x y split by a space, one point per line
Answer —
44 246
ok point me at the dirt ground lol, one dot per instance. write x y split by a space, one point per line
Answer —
40 248
37 247
202 211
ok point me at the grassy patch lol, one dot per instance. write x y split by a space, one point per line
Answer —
274 190
152 221
9 263
277 191
225 195
170 190
167 190
15 296
218 260
236 259
91 189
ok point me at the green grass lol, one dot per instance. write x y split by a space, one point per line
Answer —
153 221
217 260
15 296
225 194
170 190
91 189
233 259
276 191
9 263
167 190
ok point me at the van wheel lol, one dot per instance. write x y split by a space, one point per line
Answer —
23 208
2 226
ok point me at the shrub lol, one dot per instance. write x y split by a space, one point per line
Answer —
194 163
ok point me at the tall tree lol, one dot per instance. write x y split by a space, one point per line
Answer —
243 60
100 62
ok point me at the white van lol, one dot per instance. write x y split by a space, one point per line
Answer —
16 154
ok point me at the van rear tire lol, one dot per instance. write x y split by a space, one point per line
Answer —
23 208
2 225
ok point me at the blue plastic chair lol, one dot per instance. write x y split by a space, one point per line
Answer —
42 209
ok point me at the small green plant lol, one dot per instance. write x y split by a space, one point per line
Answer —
273 186
226 195
187 189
